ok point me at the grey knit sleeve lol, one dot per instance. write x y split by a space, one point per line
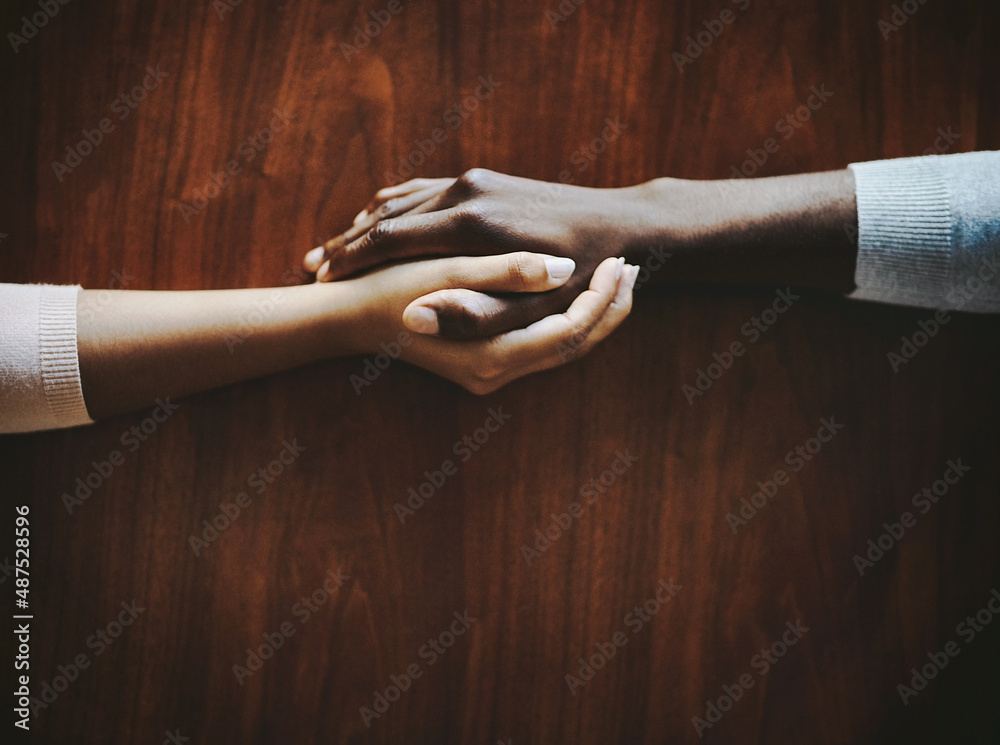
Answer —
929 231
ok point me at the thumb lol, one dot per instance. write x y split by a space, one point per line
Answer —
467 312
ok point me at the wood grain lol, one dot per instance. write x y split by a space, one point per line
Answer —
663 518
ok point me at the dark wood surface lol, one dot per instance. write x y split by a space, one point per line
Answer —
664 518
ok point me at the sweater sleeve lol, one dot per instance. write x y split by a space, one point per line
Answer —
929 231
39 368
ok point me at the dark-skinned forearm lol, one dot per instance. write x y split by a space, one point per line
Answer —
795 230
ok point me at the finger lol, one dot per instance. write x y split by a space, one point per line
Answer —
476 315
559 349
437 195
407 187
461 315
388 209
364 222
315 258
547 342
406 237
617 312
517 272
521 271
389 202
490 364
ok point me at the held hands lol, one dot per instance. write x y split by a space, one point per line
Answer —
484 213
379 302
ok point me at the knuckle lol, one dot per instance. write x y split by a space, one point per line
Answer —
473 219
378 235
577 336
483 379
460 317
622 308
474 180
475 387
476 176
521 269
575 344
387 208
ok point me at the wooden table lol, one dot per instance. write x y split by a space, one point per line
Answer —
311 612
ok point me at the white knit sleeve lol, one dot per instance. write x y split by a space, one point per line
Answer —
39 368
929 231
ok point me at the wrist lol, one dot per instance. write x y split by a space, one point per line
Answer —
338 318
669 220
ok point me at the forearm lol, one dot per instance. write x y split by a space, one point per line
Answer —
136 346
796 230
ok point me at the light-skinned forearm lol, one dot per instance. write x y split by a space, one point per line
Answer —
136 346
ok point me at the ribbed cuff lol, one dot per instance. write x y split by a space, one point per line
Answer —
905 234
59 358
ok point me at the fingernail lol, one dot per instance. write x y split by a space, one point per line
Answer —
324 272
421 319
360 216
559 267
618 267
313 258
633 274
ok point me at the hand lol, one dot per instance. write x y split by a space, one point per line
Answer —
390 201
382 300
485 213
